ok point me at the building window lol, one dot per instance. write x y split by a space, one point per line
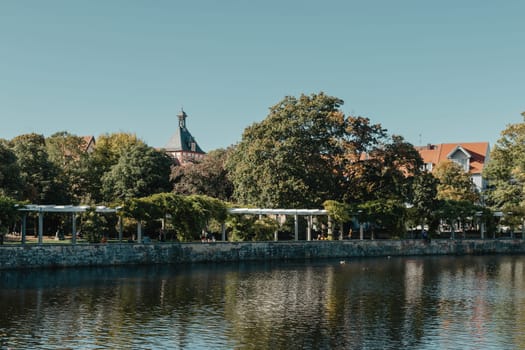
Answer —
463 162
427 167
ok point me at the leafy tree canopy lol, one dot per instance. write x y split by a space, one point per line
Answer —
454 183
506 168
306 152
207 177
286 160
68 153
10 181
41 177
140 171
8 213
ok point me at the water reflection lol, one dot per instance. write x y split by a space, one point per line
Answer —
414 303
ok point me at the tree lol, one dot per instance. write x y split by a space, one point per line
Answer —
457 212
96 226
385 214
357 159
287 159
140 171
340 212
424 204
454 183
69 155
10 181
398 163
189 214
8 215
107 153
505 171
207 177
41 177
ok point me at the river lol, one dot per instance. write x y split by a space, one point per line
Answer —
376 303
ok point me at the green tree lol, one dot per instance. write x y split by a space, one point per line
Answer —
95 225
387 215
41 177
287 159
454 183
189 214
107 153
457 212
398 162
8 215
140 171
207 177
194 215
68 153
359 172
373 165
10 181
340 212
505 171
423 200
251 228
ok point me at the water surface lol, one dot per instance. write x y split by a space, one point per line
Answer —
379 303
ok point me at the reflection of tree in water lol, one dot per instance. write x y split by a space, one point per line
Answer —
373 303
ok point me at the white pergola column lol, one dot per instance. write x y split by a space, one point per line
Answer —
309 219
24 228
74 228
120 229
296 226
139 232
330 227
40 227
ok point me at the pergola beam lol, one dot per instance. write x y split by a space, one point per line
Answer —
51 208
308 213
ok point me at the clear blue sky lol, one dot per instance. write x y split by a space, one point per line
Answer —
431 71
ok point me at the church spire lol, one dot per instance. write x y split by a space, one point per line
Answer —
182 119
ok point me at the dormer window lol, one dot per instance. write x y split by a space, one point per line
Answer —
464 163
461 157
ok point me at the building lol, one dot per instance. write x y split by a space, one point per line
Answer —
88 143
471 156
182 146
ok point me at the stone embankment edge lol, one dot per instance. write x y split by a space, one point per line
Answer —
64 255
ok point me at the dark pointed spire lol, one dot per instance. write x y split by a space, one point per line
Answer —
182 140
182 118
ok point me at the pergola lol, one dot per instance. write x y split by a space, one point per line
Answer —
308 213
75 210
66 209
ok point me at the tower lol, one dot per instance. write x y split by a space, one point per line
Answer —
182 146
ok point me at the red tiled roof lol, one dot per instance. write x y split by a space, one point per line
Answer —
435 154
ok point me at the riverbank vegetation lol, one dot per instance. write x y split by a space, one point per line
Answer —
305 154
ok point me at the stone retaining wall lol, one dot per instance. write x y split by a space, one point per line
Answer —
64 255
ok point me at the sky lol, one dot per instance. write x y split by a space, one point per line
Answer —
430 71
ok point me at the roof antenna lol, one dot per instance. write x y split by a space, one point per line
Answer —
420 141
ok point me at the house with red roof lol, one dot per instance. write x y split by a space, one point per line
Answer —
471 156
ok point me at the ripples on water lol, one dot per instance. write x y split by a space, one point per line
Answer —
399 303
